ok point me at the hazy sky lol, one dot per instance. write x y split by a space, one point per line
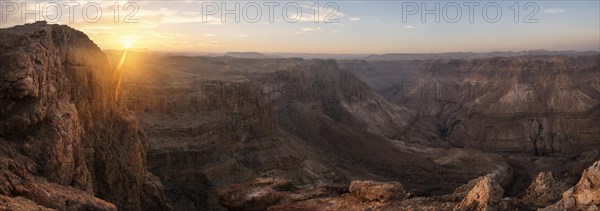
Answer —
362 26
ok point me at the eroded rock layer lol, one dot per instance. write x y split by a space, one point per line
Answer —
64 139
540 105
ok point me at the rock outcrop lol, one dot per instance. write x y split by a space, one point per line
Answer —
19 204
485 195
264 193
377 191
583 196
15 180
256 195
482 193
544 190
64 139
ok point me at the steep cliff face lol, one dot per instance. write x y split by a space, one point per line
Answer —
60 123
538 105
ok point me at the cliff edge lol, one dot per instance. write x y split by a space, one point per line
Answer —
64 143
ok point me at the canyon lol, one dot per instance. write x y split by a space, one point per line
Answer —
487 132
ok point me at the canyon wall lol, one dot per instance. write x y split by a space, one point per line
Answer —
539 105
64 139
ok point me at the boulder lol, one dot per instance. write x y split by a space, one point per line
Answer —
484 196
377 191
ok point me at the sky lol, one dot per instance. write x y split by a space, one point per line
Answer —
344 27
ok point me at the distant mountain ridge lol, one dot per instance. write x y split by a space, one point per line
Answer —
373 57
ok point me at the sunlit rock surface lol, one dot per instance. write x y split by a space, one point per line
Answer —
65 142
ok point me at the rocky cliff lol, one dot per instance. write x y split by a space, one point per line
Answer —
65 142
540 105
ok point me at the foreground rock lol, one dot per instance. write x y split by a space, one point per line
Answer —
63 139
19 203
485 195
583 196
279 194
377 191
262 193
545 189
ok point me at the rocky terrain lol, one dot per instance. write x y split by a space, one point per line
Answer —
213 122
65 143
311 123
83 129
482 193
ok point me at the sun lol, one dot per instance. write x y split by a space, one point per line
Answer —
128 43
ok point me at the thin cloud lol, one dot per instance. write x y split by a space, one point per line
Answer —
354 18
169 16
209 35
241 35
554 11
307 30
310 29
409 27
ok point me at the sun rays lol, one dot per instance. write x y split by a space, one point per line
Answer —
119 75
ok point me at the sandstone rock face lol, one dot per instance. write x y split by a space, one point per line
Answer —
15 180
60 123
377 191
485 195
19 204
545 189
583 196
